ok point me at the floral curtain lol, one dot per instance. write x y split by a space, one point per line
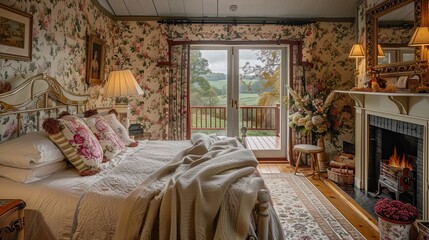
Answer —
298 84
178 93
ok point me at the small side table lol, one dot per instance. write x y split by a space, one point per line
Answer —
12 219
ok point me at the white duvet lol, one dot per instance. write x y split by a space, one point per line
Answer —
137 191
51 203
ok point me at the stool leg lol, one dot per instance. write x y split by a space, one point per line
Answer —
297 162
315 165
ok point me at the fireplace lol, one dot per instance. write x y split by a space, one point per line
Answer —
407 116
395 166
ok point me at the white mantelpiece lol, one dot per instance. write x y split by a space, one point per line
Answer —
407 107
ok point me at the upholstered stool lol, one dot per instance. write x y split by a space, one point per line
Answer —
313 151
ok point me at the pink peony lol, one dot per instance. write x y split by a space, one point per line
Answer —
78 139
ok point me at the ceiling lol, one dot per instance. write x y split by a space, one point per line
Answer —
224 9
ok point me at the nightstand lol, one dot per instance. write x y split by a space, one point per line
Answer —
144 136
11 219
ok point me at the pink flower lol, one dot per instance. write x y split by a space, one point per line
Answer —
100 125
395 210
78 139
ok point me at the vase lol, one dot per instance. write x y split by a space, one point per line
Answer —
321 159
391 229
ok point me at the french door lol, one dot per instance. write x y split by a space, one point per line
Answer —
232 87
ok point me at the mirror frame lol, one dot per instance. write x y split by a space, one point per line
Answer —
372 16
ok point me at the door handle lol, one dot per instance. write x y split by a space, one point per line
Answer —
232 103
236 104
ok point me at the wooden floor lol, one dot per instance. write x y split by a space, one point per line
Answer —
361 220
263 143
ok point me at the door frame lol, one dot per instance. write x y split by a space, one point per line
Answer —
285 46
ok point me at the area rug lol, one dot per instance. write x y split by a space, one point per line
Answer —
303 210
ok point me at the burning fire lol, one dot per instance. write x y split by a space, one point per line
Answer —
396 161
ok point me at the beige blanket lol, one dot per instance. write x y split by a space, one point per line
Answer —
205 192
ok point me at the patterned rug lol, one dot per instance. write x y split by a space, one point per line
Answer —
303 210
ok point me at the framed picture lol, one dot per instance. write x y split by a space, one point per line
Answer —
15 34
95 60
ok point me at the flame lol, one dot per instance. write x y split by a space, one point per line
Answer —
396 161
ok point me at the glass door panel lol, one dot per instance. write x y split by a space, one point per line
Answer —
260 79
235 87
209 90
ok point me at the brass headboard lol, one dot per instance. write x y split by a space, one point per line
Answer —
24 108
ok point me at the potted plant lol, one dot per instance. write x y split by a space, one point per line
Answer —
395 218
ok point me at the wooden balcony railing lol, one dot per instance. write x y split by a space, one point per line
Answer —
252 117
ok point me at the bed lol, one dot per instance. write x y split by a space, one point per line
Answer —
203 188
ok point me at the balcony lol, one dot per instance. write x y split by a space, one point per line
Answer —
257 120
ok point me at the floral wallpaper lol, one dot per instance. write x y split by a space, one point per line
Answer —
61 27
60 30
395 35
141 45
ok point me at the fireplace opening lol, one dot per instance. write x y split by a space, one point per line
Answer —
395 163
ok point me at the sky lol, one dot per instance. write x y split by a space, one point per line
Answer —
217 59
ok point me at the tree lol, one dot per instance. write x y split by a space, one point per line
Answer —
269 73
202 93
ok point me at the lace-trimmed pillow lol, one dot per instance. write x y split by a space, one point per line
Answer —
109 140
120 130
76 141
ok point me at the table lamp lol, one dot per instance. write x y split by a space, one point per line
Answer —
122 83
420 38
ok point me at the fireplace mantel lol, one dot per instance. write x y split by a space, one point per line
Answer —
405 107
414 104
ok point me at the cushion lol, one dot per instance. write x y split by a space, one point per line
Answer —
109 140
29 150
31 174
76 141
119 129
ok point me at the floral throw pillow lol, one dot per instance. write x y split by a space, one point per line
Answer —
76 141
109 140
119 129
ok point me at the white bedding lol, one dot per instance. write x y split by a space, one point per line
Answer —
51 202
68 206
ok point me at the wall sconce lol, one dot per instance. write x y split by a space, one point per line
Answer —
357 52
122 84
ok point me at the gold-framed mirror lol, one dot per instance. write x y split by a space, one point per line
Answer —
391 8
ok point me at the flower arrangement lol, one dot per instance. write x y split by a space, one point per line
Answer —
319 114
395 210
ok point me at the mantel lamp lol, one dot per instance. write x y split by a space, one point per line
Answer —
380 53
420 38
357 52
122 83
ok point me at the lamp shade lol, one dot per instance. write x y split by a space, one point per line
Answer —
121 84
420 37
356 51
380 52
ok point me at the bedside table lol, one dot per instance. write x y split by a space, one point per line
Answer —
11 219
144 136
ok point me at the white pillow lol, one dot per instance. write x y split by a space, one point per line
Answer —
119 129
31 174
29 150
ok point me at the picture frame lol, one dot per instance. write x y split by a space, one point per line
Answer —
95 60
16 34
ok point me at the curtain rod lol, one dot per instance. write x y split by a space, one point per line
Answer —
237 21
